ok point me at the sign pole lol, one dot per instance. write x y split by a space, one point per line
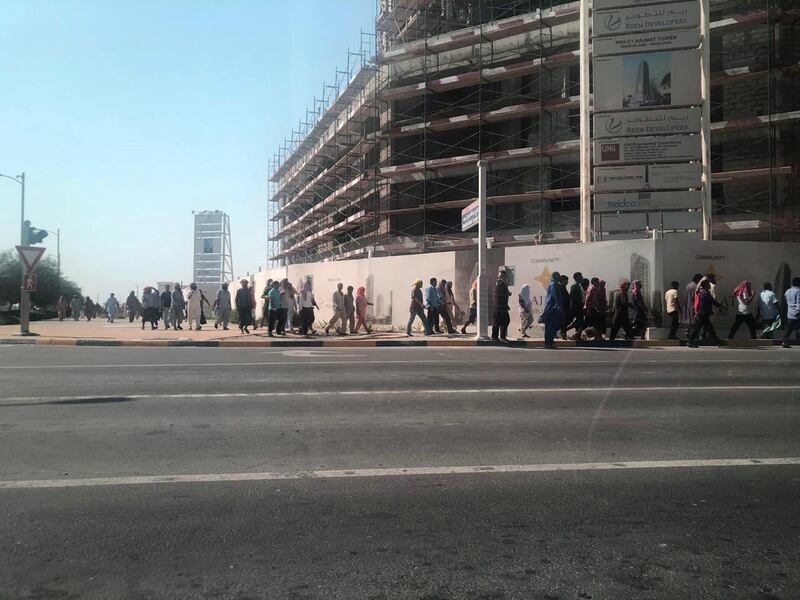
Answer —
585 142
24 294
705 131
483 280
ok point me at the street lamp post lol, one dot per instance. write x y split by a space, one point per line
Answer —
58 254
24 296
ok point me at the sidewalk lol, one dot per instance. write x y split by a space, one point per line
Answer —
122 333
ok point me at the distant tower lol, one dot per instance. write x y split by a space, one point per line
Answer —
642 92
213 263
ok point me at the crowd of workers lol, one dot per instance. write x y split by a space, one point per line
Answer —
582 307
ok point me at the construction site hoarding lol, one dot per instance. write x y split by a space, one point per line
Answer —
653 79
667 121
647 149
635 19
639 201
654 41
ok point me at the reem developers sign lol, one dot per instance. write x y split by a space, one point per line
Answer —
668 121
677 15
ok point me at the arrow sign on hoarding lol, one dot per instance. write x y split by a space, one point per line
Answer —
30 255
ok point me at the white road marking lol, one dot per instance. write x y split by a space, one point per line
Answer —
391 362
400 472
312 353
408 392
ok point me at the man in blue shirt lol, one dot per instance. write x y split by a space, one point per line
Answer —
433 304
792 311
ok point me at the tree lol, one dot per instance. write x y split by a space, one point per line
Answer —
49 286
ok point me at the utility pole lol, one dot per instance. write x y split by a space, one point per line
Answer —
58 255
24 296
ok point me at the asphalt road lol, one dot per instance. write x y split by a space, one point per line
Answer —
430 473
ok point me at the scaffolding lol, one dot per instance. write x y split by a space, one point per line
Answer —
385 160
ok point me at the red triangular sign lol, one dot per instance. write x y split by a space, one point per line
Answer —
30 255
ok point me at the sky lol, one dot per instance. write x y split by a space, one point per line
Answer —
127 115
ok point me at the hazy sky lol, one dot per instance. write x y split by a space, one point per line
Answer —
126 116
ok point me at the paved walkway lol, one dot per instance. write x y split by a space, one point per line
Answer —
123 333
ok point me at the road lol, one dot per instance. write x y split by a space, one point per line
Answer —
429 473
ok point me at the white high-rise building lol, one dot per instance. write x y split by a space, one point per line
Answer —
213 263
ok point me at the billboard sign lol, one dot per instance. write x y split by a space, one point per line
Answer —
646 42
641 177
674 176
632 177
636 19
633 201
651 79
667 121
647 149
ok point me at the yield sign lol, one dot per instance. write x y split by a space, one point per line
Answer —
30 255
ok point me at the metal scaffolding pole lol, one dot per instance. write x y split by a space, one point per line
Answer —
705 130
585 127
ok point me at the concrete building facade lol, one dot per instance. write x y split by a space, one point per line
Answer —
386 160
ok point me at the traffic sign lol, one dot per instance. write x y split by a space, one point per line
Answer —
29 284
30 255
469 216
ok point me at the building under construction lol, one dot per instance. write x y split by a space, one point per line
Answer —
385 160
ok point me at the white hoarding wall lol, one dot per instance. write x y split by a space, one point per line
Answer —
644 80
731 262
647 149
653 41
655 262
633 201
388 281
610 261
666 121
674 15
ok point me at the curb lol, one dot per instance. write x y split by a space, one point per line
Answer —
373 343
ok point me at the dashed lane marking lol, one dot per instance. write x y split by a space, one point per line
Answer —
405 392
195 365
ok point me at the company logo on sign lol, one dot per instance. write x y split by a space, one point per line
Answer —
609 152
613 22
613 125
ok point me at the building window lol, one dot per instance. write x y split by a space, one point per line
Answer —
208 246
